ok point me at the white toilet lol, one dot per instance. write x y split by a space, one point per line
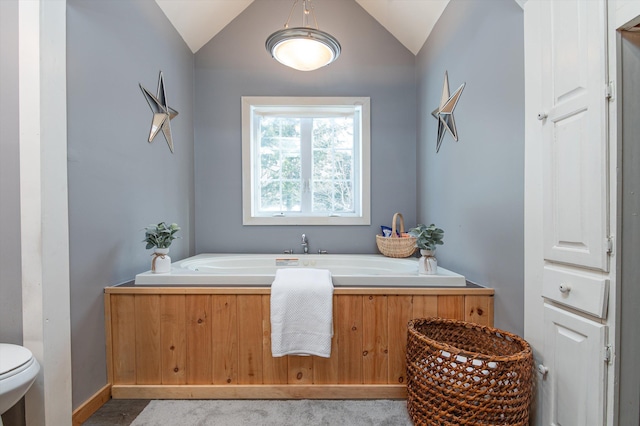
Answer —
18 371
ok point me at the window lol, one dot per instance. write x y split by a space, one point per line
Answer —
305 161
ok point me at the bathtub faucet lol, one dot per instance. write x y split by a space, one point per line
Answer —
305 244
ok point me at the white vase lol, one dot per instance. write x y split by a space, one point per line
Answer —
427 264
161 262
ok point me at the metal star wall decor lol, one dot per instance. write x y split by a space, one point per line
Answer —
162 113
444 113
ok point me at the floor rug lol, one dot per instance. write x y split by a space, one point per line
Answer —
274 413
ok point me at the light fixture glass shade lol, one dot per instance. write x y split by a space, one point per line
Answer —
304 49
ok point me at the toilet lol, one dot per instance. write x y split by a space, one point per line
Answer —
18 371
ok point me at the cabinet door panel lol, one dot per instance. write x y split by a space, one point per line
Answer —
575 133
575 383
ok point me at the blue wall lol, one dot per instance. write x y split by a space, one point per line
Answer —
119 183
235 63
10 260
474 189
10 271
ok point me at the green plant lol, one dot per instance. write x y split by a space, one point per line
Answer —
160 235
427 237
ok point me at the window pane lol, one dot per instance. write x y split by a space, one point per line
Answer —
343 133
342 196
343 165
270 199
333 148
333 196
278 196
268 144
279 126
289 127
291 196
269 166
322 196
323 133
322 164
290 144
291 166
333 132
277 164
280 164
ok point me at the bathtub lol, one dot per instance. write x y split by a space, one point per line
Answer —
360 270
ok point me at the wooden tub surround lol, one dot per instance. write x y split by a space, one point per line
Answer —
215 342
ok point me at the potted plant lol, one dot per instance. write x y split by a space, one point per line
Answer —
427 238
160 236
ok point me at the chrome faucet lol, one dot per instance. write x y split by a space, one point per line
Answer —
305 244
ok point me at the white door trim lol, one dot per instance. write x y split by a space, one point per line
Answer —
44 210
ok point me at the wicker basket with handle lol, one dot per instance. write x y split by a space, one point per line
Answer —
460 373
395 246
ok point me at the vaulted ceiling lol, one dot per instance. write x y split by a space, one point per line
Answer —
198 21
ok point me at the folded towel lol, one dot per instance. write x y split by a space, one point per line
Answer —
301 312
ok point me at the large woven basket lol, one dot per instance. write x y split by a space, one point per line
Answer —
460 373
394 246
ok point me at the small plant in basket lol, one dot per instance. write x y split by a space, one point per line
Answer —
160 235
427 237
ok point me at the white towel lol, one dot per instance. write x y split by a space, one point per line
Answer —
301 312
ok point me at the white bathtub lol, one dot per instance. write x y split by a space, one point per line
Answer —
369 270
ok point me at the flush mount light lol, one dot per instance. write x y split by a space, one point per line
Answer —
303 48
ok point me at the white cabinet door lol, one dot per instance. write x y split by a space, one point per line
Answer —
574 387
574 132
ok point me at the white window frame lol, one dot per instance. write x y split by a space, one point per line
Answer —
363 181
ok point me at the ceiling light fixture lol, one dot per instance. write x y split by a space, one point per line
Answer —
303 48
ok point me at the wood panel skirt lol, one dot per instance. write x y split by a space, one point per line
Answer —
215 342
